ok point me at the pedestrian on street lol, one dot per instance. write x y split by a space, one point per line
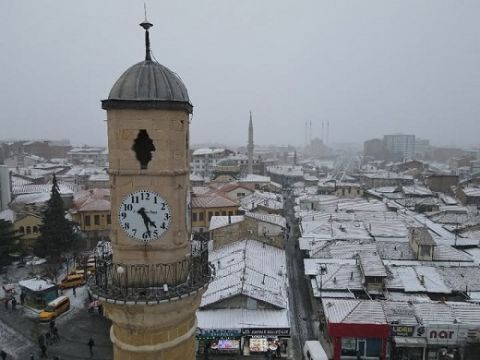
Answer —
51 324
3 355
14 303
6 303
43 352
55 334
91 344
74 291
22 298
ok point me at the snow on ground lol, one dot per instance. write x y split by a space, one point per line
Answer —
11 341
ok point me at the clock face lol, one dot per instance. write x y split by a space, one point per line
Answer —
144 215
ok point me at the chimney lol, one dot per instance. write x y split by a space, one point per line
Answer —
422 279
263 280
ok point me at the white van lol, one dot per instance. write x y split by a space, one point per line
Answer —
313 350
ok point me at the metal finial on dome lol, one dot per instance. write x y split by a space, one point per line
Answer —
146 25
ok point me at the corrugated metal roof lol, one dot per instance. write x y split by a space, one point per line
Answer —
242 318
249 268
353 311
372 264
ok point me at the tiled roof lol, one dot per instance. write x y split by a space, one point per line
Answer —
214 200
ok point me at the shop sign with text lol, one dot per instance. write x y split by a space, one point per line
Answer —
402 330
266 332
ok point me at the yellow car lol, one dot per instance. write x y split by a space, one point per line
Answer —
55 308
72 280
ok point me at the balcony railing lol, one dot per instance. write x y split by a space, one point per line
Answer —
150 283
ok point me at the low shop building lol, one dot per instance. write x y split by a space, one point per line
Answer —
245 309
38 292
356 328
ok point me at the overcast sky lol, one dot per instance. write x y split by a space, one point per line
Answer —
368 67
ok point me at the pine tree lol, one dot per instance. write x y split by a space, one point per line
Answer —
56 232
9 241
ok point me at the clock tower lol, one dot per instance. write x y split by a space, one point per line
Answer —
152 285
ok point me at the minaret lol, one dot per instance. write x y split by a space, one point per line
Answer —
153 284
250 145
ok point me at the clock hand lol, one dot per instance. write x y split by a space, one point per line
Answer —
146 219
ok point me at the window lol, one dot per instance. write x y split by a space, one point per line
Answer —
96 219
424 250
210 214
109 219
29 230
194 216
35 229
200 216
230 213
22 229
217 213
224 213
87 220
373 347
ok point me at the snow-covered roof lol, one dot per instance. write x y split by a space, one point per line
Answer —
249 268
255 178
268 218
242 318
99 177
472 191
92 200
7 215
63 188
217 222
286 170
416 190
37 284
260 198
208 151
372 264
353 311
211 200
37 198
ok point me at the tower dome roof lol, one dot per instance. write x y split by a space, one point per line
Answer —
148 84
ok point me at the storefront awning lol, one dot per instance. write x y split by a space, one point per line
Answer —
404 341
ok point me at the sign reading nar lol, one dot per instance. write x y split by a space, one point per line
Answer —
444 334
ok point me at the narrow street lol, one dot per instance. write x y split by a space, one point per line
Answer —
302 316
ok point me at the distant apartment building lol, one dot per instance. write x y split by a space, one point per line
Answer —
47 149
374 149
422 148
400 146
97 156
204 161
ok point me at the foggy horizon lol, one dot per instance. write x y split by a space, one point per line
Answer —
368 68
